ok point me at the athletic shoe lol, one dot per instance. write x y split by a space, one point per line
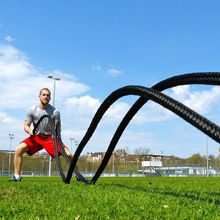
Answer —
13 179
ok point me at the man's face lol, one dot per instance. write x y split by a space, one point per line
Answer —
44 97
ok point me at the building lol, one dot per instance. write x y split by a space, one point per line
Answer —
95 157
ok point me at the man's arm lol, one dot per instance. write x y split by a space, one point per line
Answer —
27 127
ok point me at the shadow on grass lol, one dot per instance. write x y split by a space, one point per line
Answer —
191 194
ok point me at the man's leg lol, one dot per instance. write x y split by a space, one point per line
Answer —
68 153
18 159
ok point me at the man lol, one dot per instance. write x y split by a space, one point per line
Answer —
43 138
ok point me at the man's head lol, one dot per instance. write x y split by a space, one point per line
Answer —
45 96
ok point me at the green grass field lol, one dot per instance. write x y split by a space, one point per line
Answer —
111 198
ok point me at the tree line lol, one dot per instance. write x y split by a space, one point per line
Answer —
129 163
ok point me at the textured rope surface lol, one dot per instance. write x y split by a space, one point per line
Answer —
203 124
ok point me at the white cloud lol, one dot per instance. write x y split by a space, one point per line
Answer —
113 72
82 106
204 100
20 82
200 101
9 124
181 91
13 64
9 121
152 112
117 111
97 66
9 38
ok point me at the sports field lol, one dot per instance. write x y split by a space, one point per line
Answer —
111 198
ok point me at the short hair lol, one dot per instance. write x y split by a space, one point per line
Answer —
44 89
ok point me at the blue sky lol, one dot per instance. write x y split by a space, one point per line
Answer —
98 46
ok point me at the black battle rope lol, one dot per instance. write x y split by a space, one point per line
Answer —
55 143
210 78
79 176
57 139
187 114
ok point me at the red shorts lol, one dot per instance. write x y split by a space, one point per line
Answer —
36 143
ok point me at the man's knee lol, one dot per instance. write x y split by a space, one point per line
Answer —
21 149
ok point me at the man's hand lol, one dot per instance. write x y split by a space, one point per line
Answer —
27 128
30 132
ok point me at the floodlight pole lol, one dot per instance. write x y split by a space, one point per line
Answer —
11 137
75 142
71 146
113 163
54 78
207 157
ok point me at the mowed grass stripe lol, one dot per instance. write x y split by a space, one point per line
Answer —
111 198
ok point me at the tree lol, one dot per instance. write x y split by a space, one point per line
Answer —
196 159
142 151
